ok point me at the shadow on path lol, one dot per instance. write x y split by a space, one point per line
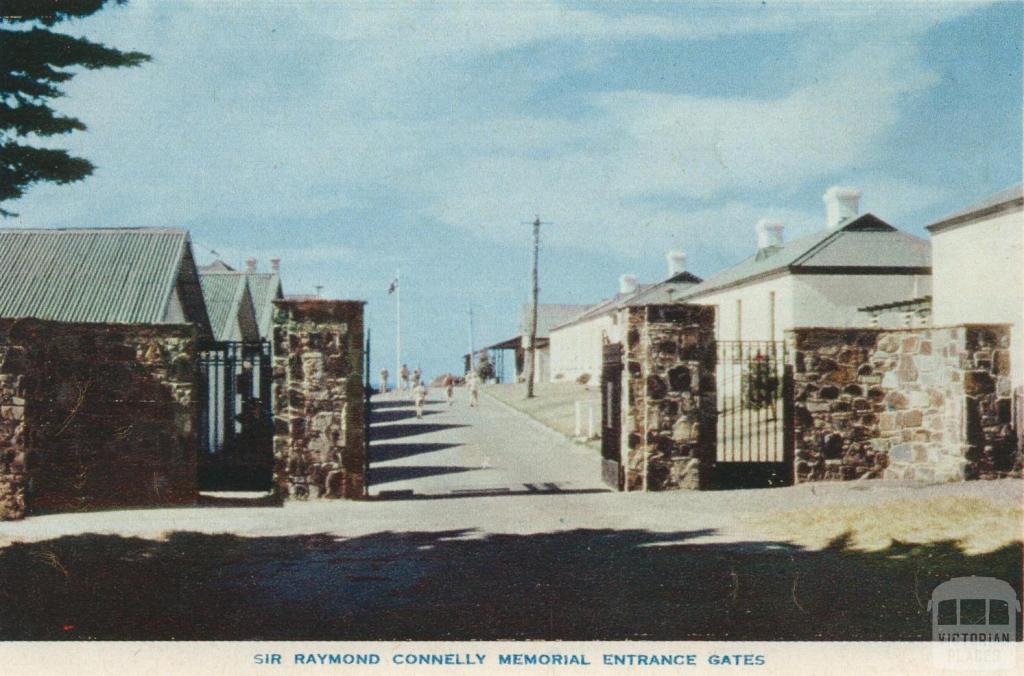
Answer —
408 429
383 475
463 584
388 452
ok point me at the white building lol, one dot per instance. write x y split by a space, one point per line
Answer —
977 261
820 280
576 347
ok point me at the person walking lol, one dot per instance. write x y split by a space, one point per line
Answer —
417 377
473 383
404 375
419 394
384 381
449 389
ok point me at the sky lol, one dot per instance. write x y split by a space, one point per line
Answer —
356 139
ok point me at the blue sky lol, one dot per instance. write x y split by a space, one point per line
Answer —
353 139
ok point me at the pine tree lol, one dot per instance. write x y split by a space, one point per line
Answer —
35 62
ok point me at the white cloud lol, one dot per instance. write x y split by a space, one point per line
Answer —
292 111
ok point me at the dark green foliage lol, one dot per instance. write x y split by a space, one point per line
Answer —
484 367
35 62
761 383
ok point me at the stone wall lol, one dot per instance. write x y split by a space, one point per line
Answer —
930 404
669 397
95 415
320 412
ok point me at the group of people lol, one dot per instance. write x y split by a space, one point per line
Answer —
413 382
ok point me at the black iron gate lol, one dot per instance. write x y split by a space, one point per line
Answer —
236 422
755 415
611 416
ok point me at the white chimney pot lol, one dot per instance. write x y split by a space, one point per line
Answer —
275 264
841 205
627 284
250 264
676 262
769 233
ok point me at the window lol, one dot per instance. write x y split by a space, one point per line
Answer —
998 612
972 611
771 315
739 319
947 612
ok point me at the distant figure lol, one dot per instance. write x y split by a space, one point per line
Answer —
449 389
384 381
417 377
473 383
419 395
404 375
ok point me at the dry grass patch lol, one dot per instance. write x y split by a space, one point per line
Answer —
554 405
979 524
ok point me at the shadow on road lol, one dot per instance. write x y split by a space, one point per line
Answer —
396 415
408 429
485 492
462 584
383 475
388 452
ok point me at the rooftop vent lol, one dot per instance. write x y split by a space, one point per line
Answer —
841 205
769 234
676 262
627 284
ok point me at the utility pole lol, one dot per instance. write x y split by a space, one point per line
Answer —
532 370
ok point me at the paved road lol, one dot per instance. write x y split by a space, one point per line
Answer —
484 526
461 449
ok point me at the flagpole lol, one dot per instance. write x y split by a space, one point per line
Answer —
398 325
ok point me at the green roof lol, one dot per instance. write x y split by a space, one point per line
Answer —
225 294
117 276
265 288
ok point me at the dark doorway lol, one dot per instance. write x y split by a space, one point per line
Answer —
236 422
611 416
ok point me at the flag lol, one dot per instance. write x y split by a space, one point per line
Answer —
393 287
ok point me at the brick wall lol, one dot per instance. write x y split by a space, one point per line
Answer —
95 415
669 397
319 440
931 404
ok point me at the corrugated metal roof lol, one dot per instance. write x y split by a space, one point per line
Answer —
265 288
224 293
864 242
90 275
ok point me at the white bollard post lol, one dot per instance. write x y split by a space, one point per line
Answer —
590 422
579 419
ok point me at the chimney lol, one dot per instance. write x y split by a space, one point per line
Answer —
275 264
250 265
627 284
769 234
841 205
676 262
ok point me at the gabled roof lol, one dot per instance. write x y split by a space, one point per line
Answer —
646 294
99 275
549 315
1004 200
866 244
216 266
265 288
229 304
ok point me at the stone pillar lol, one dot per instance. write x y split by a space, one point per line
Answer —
320 411
12 432
669 397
